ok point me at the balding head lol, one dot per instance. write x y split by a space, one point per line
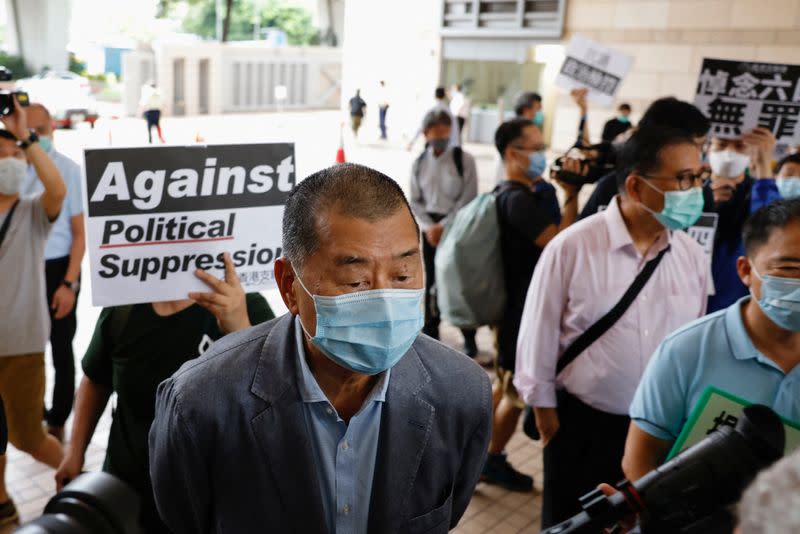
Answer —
40 120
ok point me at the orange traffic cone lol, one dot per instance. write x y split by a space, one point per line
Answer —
340 153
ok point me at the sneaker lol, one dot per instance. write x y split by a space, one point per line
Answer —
499 472
8 513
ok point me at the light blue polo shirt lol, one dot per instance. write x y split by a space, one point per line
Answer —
60 241
712 351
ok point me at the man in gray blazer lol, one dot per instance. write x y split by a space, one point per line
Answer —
340 416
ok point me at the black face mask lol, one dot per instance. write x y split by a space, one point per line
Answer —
439 145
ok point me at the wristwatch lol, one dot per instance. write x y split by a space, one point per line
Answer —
32 138
74 286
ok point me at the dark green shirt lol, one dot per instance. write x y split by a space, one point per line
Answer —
133 350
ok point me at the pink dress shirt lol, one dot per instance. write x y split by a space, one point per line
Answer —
580 276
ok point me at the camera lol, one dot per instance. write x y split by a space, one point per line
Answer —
7 101
7 97
93 503
595 162
691 493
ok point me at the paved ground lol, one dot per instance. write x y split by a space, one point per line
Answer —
316 135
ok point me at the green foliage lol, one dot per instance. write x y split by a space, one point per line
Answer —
15 64
295 21
76 65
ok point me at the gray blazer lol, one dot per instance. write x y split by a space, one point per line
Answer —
230 452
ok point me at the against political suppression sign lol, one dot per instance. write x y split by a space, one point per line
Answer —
593 66
154 215
738 96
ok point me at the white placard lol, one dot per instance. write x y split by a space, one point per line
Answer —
594 66
155 215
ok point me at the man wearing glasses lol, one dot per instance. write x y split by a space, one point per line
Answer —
582 274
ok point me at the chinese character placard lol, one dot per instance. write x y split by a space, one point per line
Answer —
739 96
593 66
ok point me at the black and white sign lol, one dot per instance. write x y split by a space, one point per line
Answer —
738 96
704 230
155 215
593 66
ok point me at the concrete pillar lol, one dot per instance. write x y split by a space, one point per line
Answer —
39 32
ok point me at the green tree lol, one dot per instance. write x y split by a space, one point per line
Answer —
243 18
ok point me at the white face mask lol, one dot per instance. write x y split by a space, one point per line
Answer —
728 163
13 172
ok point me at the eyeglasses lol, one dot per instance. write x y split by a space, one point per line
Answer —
686 180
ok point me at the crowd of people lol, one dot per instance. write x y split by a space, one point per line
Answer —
347 414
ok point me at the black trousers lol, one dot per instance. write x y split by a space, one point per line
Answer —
62 331
382 120
586 450
432 318
461 122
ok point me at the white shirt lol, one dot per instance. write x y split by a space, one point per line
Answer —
580 276
459 105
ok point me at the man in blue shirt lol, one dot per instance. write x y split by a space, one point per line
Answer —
751 349
63 256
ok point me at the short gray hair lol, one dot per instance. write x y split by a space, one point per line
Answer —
353 190
771 505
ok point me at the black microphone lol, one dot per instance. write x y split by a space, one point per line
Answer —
690 493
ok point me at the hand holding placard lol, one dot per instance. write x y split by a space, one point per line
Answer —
227 301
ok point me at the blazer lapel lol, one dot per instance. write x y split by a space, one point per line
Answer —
281 432
405 426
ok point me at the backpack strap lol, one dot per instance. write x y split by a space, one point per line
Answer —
458 159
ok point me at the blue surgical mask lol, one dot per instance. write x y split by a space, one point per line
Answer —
46 142
439 145
537 162
681 208
623 119
367 331
789 187
780 300
538 118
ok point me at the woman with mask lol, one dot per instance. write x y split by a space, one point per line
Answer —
741 183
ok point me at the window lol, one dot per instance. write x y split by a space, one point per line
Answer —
503 18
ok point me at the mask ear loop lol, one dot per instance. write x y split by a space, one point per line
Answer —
297 277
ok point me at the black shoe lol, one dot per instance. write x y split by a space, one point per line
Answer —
8 513
499 472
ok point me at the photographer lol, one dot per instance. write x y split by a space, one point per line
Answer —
135 348
751 349
25 224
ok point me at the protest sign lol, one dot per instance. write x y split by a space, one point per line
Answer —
704 230
716 408
738 96
593 66
154 215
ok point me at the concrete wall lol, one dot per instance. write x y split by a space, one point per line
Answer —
43 32
670 38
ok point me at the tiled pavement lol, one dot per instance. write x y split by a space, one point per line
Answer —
492 510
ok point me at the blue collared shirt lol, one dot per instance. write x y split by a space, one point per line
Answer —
60 241
713 351
344 454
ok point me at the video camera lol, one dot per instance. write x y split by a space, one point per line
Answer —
7 97
690 493
596 161
93 503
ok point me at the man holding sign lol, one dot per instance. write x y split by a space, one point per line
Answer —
749 350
